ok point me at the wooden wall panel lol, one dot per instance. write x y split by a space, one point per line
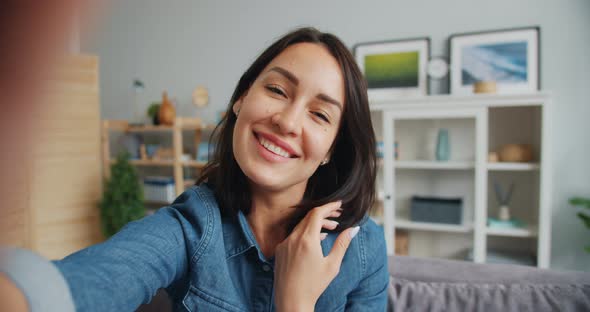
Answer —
14 212
12 223
50 201
65 171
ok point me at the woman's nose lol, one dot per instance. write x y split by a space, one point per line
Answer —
289 120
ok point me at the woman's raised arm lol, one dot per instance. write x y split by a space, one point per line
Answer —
146 255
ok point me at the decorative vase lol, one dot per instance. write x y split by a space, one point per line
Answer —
503 200
167 113
504 213
443 148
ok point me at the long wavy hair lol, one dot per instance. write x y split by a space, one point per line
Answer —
350 174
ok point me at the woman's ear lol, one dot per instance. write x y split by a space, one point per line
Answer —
236 107
326 159
238 104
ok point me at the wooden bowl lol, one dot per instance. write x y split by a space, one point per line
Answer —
516 153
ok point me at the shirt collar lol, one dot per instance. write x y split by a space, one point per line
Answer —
239 238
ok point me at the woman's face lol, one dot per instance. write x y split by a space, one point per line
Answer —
289 118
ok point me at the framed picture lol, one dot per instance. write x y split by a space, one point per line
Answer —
394 69
508 57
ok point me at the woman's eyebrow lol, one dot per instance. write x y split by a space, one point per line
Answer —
330 100
291 77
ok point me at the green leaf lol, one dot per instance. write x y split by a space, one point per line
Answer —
153 109
585 218
580 201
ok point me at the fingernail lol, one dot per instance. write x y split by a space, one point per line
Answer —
335 223
354 231
323 236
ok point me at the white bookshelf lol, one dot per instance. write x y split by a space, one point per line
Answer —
477 125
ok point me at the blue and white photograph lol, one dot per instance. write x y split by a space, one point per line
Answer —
508 58
505 62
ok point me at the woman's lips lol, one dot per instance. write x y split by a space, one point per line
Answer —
268 155
277 142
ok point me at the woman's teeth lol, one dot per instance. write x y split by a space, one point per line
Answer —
273 148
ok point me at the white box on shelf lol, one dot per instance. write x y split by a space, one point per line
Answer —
159 189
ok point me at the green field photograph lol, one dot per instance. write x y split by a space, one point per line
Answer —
392 70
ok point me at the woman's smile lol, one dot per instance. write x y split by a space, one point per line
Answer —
273 149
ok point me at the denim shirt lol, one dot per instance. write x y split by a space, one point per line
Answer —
210 263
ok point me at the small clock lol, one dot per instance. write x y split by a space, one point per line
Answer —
437 67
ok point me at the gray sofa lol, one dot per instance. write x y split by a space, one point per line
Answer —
419 284
442 285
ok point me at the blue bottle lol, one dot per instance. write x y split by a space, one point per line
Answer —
443 146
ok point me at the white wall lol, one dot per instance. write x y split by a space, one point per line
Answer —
177 45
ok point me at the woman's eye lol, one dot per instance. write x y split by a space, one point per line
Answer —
276 90
321 116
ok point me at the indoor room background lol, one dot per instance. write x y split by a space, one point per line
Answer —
178 45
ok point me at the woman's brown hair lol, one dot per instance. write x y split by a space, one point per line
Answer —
350 174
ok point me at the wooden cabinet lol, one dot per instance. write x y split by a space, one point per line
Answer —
53 207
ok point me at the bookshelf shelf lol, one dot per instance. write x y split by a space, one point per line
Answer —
513 166
518 232
435 165
433 227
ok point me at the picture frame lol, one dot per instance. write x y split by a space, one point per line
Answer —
395 68
509 57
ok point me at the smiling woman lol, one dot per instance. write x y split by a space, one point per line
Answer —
310 81
278 219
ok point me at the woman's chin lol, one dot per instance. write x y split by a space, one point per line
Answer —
273 182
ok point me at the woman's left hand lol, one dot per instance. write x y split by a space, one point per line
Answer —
302 273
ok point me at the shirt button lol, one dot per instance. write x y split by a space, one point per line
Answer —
266 268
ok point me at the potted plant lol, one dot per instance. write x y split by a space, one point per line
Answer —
152 112
122 200
585 203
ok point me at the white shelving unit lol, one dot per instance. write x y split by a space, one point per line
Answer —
477 125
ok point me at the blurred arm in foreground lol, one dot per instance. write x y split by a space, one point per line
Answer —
33 34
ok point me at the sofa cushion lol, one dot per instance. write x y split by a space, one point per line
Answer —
419 284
